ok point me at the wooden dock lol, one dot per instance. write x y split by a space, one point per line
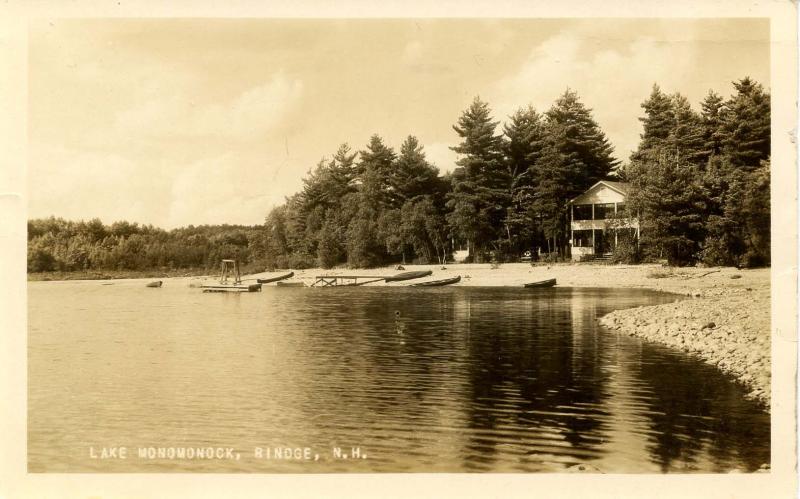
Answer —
345 280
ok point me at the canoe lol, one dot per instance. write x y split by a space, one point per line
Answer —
441 282
299 284
549 283
154 284
234 288
404 276
275 279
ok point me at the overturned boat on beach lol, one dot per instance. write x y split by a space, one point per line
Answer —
276 278
548 283
440 282
405 276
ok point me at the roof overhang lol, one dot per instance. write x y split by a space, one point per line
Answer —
599 182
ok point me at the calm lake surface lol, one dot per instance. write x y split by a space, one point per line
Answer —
463 380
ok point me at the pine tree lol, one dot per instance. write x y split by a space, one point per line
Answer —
670 204
666 175
343 169
575 155
375 170
479 199
657 122
580 140
711 119
525 139
746 125
686 135
413 175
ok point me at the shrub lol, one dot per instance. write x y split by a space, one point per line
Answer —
40 260
627 250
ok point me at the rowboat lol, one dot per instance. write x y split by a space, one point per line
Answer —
404 276
154 284
232 288
441 282
275 279
296 284
549 283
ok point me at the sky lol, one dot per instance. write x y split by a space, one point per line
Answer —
174 122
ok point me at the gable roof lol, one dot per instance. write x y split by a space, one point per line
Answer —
621 187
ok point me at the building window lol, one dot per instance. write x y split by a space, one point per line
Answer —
603 211
582 239
582 212
621 210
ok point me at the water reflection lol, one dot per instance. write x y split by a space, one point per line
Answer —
458 379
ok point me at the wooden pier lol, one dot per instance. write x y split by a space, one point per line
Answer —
345 280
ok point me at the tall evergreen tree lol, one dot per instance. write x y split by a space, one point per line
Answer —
343 168
670 204
657 121
746 125
375 169
479 198
576 154
711 117
666 174
413 175
525 139
581 141
686 136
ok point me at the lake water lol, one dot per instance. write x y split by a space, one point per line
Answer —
369 379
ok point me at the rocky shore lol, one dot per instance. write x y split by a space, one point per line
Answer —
729 328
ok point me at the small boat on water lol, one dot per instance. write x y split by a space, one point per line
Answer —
296 284
441 282
154 284
276 278
405 276
549 283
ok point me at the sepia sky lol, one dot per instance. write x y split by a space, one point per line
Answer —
177 122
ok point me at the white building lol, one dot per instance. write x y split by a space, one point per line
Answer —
598 218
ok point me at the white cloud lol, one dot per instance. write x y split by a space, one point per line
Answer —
82 185
249 115
612 82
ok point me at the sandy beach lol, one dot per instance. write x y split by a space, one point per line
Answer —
724 318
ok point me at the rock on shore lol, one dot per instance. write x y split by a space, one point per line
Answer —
730 329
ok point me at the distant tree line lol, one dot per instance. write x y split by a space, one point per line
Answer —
55 244
700 187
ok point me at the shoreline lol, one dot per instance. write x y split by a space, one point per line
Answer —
725 320
106 275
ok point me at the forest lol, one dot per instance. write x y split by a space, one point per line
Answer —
699 185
